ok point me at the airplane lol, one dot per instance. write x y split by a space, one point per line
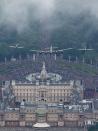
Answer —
17 46
51 50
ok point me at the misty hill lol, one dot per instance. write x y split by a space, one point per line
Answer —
63 30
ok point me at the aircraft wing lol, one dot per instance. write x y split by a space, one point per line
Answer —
59 50
89 49
37 51
85 49
68 49
64 49
12 46
33 50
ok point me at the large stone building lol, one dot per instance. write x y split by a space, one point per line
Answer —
30 114
43 99
46 87
54 93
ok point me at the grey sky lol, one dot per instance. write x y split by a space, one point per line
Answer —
17 12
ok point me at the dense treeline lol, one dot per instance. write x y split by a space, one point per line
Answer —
93 128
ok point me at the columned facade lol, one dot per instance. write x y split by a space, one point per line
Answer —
46 93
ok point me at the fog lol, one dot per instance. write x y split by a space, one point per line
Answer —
18 13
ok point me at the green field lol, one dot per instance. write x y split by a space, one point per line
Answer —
82 68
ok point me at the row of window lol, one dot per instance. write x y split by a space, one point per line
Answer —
33 90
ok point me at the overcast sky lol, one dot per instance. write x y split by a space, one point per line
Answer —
18 12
